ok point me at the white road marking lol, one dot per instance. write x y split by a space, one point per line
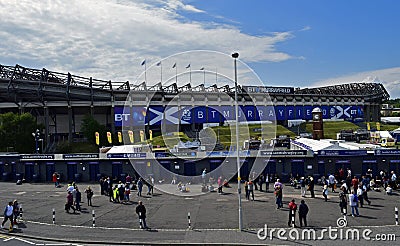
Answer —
20 193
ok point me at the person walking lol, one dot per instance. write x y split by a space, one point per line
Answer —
55 180
141 212
353 202
343 200
303 187
140 187
325 192
78 199
260 182
292 213
251 189
220 183
8 215
70 202
278 197
360 195
89 194
303 211
365 194
311 187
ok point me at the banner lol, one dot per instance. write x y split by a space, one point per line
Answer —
141 136
130 133
97 136
109 137
119 137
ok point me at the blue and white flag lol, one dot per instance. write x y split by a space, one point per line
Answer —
143 62
174 65
202 68
159 63
188 66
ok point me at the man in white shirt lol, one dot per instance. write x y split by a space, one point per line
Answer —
8 215
332 182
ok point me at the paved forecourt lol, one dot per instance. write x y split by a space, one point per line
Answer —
212 215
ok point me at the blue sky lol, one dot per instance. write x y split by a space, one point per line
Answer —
291 43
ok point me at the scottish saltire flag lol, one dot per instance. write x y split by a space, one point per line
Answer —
202 68
174 65
188 66
159 63
143 62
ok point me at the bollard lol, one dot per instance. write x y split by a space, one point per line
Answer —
93 218
190 226
293 214
20 212
345 213
396 215
140 220
54 216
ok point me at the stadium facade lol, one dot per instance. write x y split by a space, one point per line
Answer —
60 101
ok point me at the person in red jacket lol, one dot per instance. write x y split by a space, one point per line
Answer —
292 212
354 183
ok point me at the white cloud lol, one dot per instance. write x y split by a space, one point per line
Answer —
389 77
109 39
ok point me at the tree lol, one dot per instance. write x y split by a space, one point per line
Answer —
16 131
90 126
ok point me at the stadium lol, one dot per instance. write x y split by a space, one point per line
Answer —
60 101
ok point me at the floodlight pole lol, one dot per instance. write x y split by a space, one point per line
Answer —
235 56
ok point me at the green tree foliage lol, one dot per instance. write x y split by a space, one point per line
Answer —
90 126
16 132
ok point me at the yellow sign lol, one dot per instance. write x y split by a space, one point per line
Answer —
97 136
109 137
141 136
130 133
120 137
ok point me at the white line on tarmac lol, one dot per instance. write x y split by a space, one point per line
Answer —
20 193
23 240
8 239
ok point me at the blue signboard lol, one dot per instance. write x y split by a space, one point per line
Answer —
122 116
155 115
126 155
387 152
342 152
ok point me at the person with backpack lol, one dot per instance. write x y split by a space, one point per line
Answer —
353 202
292 213
8 215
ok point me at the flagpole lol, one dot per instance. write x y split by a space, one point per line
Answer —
204 76
176 74
145 71
161 72
190 74
216 76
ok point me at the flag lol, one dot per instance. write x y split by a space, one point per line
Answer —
151 135
109 137
130 133
378 126
97 136
120 137
159 63
188 66
143 62
202 68
368 126
174 65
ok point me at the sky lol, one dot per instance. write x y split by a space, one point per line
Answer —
281 43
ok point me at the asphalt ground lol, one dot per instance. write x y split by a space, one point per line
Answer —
214 217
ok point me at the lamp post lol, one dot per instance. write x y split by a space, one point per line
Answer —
235 56
36 135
